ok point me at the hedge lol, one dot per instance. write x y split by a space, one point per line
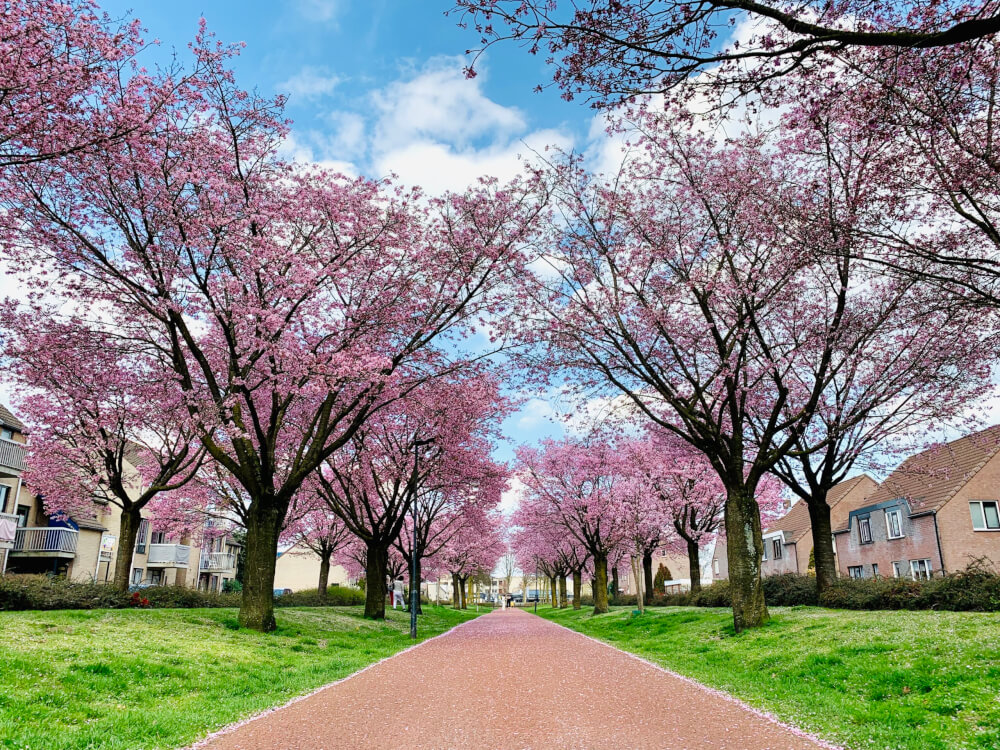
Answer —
25 592
970 590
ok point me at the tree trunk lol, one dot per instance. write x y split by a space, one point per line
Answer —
456 600
562 592
636 564
257 603
822 534
324 575
694 566
744 548
600 584
615 584
376 569
577 589
468 592
647 574
128 532
462 603
553 594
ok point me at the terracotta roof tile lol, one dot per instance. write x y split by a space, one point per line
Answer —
7 418
930 479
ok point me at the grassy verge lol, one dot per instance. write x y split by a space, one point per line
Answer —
924 680
117 679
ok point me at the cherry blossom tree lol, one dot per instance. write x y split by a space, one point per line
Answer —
103 425
288 306
319 531
475 549
579 484
612 50
725 292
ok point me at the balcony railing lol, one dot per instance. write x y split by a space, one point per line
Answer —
218 561
45 540
168 555
8 530
11 456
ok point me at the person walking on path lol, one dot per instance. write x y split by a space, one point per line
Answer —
397 593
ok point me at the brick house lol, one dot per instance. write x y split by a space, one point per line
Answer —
936 513
788 541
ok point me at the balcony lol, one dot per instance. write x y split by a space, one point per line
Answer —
168 556
45 541
11 458
8 529
218 561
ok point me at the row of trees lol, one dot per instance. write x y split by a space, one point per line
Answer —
796 297
593 504
251 332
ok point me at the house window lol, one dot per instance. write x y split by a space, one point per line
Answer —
763 555
156 577
776 548
136 576
856 571
893 524
865 530
4 494
6 433
920 569
984 515
897 570
140 540
22 515
158 537
875 570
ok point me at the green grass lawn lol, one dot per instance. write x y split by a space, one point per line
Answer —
922 680
163 678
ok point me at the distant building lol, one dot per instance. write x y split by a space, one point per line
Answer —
936 513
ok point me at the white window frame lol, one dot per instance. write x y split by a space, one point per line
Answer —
136 576
763 556
897 569
928 570
860 569
874 570
776 548
898 515
867 524
982 514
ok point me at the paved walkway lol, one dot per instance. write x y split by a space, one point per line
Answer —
512 680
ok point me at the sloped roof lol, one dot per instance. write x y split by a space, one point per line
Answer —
7 418
840 490
795 523
930 479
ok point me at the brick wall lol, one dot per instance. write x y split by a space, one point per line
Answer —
960 544
919 541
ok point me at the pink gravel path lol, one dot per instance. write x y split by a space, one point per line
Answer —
513 680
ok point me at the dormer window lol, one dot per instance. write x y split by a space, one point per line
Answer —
6 433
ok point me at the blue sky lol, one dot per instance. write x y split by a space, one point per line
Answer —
377 87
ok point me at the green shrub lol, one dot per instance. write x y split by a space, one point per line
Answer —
336 596
24 592
974 589
231 585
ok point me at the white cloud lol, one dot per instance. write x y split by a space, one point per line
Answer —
511 499
536 413
440 103
310 83
320 10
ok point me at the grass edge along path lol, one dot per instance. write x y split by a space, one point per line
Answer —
163 679
862 679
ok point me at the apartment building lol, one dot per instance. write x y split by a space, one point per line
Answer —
788 540
86 548
938 512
